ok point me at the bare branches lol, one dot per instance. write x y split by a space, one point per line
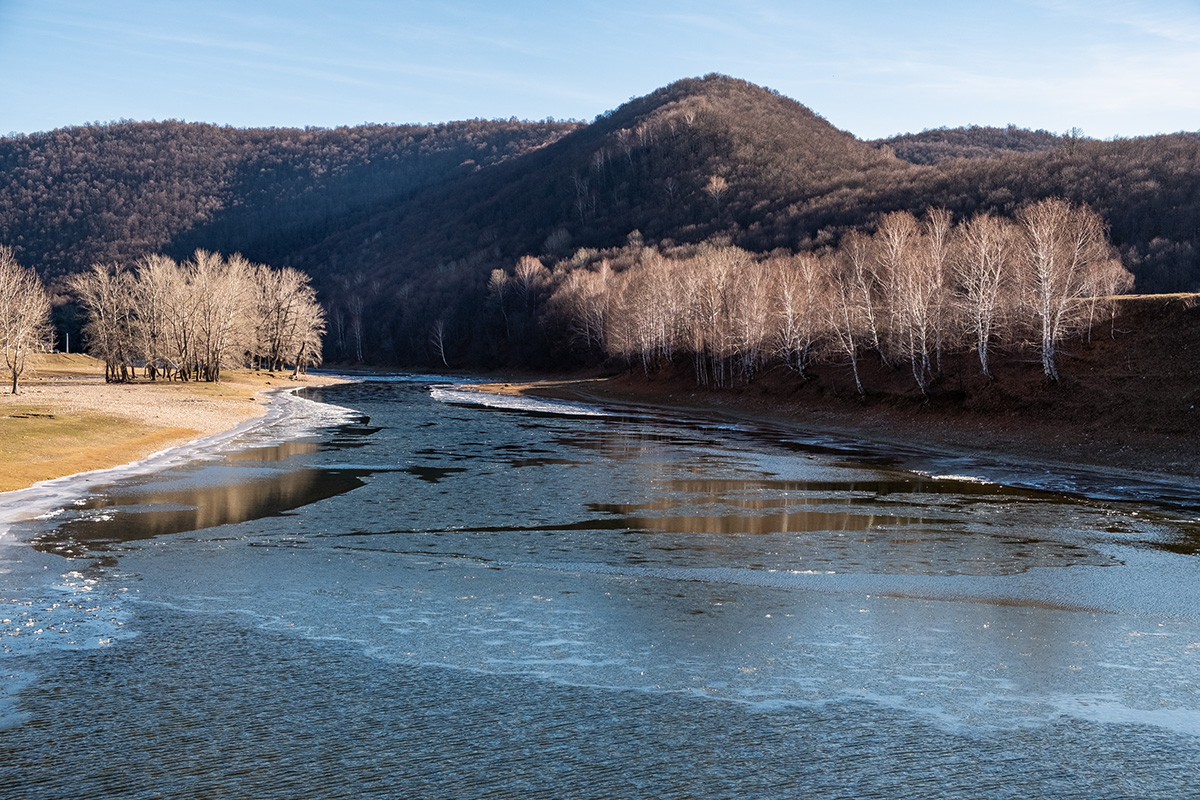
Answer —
24 314
911 291
106 294
189 321
984 274
1066 258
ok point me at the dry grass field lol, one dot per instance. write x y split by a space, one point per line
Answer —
65 419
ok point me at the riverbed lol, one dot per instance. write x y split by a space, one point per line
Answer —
401 588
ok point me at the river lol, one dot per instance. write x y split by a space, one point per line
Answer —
394 589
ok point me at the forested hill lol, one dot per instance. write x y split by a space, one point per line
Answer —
412 220
656 165
75 196
943 144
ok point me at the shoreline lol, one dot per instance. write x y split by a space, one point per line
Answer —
20 505
206 416
1024 448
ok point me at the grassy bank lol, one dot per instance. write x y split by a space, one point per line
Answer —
66 420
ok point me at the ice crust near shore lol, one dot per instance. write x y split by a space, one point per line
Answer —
288 416
449 393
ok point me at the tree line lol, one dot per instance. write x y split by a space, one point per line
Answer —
910 292
188 321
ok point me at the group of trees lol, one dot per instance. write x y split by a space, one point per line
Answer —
24 314
188 321
910 292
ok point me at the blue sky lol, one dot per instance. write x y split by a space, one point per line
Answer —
873 68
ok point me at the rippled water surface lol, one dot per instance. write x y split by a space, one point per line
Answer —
422 596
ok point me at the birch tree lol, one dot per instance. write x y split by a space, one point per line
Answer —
938 229
801 290
847 315
437 339
984 275
862 281
1065 247
910 287
24 314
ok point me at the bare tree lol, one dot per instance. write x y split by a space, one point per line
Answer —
716 189
583 299
155 286
106 294
437 338
498 290
530 275
749 317
801 291
671 189
24 314
848 315
190 321
910 288
354 289
1065 246
283 308
863 281
643 323
983 272
307 335
938 228
180 323
1106 278
220 296
709 288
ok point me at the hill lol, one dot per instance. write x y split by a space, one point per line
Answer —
943 144
91 193
403 225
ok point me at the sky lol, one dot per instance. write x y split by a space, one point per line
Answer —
1107 67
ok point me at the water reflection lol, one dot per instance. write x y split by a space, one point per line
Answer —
431 474
241 485
611 594
909 484
134 515
274 453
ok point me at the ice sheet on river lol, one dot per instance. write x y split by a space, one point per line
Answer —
534 405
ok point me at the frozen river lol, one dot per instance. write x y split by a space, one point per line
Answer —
409 593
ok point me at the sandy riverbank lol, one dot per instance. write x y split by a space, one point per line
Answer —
66 419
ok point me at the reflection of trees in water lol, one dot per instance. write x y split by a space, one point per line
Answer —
798 526
201 507
276 452
895 524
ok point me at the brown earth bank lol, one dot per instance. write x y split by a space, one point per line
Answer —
1127 399
65 419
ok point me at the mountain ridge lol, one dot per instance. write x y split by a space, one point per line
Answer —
423 214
